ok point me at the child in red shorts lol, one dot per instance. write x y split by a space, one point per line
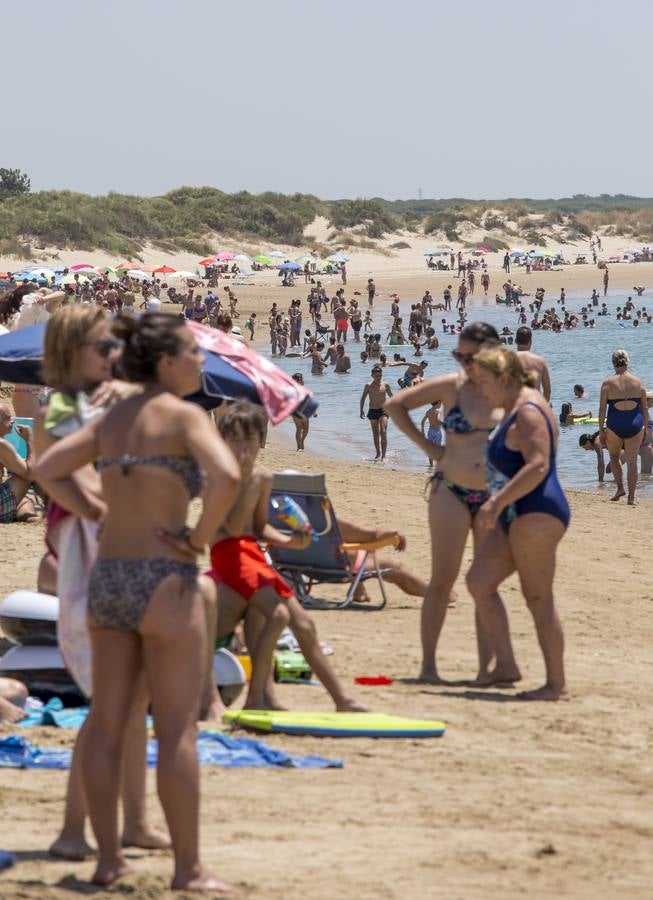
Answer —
248 587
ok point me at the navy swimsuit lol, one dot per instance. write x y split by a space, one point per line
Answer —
504 463
625 423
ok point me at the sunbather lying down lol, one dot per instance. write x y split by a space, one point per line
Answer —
13 695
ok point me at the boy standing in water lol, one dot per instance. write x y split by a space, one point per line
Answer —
378 392
248 587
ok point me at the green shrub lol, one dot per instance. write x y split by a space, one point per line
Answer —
535 238
400 245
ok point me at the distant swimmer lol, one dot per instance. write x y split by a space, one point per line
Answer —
530 360
342 361
378 392
435 434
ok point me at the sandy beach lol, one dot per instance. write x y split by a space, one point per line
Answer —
516 798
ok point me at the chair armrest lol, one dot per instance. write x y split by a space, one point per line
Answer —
390 541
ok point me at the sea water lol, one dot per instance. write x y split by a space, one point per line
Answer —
579 356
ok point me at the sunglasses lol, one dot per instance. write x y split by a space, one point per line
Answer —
104 348
465 359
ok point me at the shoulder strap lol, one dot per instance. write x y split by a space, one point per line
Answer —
546 419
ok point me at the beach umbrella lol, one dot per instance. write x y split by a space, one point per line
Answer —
338 257
124 266
277 254
242 257
517 254
290 267
138 275
164 270
70 279
263 260
44 273
80 266
225 256
434 253
183 274
306 258
231 370
209 261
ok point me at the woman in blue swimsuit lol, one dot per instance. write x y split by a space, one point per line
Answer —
526 515
458 493
623 395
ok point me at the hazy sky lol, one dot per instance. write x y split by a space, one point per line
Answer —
343 98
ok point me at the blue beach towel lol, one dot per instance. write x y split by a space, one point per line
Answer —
6 860
213 749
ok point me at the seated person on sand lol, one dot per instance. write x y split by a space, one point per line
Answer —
569 417
247 586
13 695
15 505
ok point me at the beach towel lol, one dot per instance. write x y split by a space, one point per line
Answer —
6 860
213 749
77 552
53 713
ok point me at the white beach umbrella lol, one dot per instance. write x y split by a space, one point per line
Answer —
276 254
138 275
181 274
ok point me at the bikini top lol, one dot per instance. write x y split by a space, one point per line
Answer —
184 466
456 422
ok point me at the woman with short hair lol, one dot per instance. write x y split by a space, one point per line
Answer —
623 397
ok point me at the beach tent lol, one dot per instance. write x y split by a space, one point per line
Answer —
242 257
231 370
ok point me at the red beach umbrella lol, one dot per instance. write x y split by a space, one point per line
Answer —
164 270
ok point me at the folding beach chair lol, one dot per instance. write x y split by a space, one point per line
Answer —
326 560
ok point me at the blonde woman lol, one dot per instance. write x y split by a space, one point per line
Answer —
623 395
525 516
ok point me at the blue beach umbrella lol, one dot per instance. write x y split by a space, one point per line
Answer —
21 354
291 266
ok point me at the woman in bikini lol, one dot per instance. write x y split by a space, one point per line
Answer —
79 354
526 515
145 606
458 492
623 395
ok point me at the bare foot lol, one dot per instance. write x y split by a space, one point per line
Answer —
10 713
507 675
215 711
107 873
545 693
267 702
631 500
620 493
201 880
71 848
453 597
348 704
146 838
430 676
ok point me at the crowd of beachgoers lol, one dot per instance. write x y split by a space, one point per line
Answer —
113 354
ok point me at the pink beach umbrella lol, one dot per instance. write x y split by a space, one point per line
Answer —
224 257
80 266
